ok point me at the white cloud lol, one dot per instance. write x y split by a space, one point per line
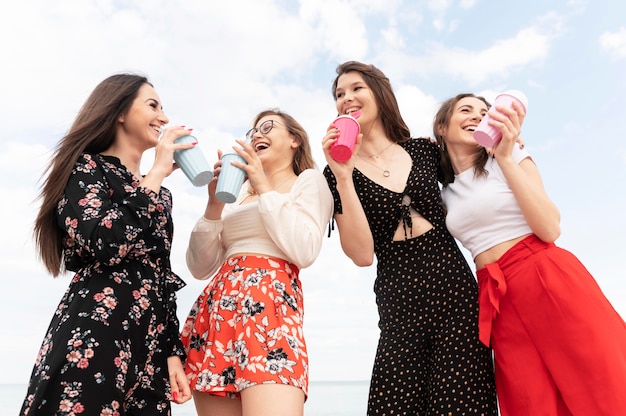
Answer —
467 4
439 6
497 61
614 43
393 37
215 67
417 109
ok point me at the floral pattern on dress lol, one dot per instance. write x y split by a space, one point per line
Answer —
106 349
246 328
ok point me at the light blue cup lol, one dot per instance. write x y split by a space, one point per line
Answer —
193 163
230 179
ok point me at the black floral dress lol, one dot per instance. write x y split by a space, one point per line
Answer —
106 350
429 360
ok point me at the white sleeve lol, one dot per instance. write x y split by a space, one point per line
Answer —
297 221
519 154
205 252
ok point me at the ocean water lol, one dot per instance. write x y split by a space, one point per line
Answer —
326 398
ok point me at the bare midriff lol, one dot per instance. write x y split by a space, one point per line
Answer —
420 226
494 253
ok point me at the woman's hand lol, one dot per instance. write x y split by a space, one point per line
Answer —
509 121
178 380
341 170
164 150
253 167
164 164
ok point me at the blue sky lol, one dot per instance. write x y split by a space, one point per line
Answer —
216 64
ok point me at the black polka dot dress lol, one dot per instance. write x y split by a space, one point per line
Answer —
429 360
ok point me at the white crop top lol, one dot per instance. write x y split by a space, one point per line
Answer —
289 226
482 211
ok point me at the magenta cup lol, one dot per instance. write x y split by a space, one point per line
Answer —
230 178
193 163
487 135
349 129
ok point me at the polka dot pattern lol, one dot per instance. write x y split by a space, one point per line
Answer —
429 360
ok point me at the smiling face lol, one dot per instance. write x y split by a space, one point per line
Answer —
466 114
353 94
143 121
275 144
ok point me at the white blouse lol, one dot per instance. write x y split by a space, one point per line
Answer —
289 226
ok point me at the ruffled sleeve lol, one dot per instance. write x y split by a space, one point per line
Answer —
205 252
332 185
173 283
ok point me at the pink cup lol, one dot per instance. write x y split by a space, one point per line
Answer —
349 129
487 135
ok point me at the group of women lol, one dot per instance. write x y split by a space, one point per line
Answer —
115 346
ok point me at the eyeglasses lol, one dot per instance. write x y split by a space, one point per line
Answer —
264 128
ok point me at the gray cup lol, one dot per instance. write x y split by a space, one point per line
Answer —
193 163
230 179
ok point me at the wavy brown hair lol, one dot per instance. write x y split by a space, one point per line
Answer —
442 118
303 158
93 131
389 111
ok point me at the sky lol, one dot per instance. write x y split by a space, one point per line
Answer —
215 64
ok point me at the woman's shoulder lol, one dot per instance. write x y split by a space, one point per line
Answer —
422 142
87 163
421 145
311 175
96 159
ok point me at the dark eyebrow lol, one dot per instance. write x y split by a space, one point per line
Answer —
155 101
469 106
354 84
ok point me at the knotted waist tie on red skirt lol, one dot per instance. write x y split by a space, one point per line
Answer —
492 282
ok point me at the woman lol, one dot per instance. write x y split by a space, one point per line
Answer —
244 335
560 347
388 204
113 346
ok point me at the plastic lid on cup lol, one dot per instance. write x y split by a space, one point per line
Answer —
519 95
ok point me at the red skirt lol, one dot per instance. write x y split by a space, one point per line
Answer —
559 345
246 328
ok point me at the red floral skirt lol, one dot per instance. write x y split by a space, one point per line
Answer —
246 328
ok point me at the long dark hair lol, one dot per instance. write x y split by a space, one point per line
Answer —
389 111
93 131
442 118
303 159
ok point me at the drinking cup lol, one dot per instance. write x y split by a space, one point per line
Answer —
349 129
487 135
193 163
230 179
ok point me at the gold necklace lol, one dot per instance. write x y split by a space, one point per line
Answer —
377 155
386 172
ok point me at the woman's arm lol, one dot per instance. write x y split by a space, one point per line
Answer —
99 228
355 234
524 178
205 252
540 212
